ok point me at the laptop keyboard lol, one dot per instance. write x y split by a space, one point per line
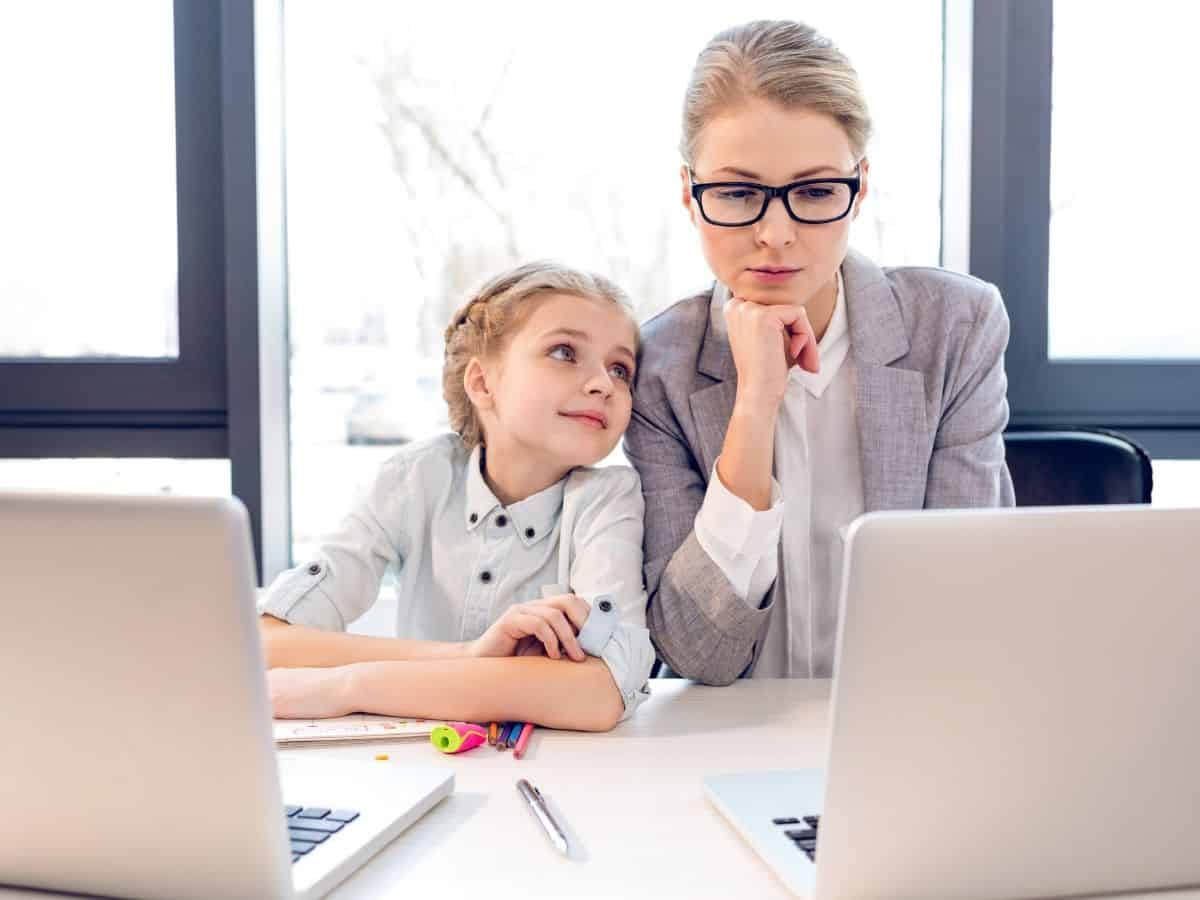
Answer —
802 832
309 826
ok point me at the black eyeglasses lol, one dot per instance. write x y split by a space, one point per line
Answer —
813 201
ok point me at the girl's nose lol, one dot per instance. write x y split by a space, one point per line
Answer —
600 383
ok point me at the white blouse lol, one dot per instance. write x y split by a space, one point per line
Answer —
817 491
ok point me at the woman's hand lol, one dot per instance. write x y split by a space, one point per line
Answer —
309 693
766 342
551 625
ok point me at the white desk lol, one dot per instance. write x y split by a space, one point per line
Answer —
631 799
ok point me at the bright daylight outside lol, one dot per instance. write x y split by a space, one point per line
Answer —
424 157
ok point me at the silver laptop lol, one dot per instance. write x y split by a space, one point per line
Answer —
137 753
1016 713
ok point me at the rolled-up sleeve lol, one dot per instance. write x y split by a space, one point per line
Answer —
340 580
606 566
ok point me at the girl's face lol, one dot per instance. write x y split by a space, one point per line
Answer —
559 391
776 259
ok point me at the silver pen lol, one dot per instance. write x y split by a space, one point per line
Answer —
537 804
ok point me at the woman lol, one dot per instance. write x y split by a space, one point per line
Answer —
809 385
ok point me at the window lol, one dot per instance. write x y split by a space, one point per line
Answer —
423 157
112 284
1120 187
93 176
1104 330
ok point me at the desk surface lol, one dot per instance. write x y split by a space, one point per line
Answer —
632 802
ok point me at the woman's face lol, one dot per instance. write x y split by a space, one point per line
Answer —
776 259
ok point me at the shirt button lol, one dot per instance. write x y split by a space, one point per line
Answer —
529 533
501 521
474 518
485 577
605 606
314 569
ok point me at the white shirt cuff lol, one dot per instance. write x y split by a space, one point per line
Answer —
739 538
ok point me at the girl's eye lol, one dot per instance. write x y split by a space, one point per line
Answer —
620 370
565 352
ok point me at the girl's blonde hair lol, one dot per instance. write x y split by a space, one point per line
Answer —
481 326
786 62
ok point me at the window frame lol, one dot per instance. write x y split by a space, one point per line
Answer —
226 394
1153 401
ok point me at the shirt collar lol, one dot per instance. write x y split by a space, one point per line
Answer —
533 518
833 347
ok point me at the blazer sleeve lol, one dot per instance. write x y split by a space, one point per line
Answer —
967 466
698 623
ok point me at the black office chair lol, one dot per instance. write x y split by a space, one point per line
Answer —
1082 467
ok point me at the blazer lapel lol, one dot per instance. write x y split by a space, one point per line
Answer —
890 401
712 406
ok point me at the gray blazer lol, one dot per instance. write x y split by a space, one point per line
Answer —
928 345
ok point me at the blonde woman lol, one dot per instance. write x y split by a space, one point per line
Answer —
809 385
518 566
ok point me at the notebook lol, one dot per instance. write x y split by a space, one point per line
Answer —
358 727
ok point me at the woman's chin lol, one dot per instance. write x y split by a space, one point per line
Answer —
769 297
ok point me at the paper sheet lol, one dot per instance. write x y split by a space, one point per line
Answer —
358 727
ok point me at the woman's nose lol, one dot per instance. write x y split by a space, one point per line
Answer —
776 228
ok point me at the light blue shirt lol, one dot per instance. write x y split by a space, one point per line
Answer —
462 558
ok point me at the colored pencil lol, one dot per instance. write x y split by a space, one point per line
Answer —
493 733
526 731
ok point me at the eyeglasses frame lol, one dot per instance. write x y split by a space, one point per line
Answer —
854 182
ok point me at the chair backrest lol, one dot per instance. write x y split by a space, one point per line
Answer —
1077 468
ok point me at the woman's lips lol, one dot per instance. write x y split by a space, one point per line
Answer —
773 274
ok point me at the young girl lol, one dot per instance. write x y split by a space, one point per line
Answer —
809 385
518 567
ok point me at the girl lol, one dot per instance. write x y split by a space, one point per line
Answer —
518 567
809 385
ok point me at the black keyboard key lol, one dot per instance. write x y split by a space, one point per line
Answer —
304 834
785 821
812 821
291 810
301 847
807 845
325 825
343 815
312 812
802 834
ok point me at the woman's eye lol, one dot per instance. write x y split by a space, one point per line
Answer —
564 352
620 370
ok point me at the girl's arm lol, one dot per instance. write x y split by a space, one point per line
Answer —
551 621
290 646
581 697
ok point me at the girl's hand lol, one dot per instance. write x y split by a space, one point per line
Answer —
552 623
766 342
309 693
